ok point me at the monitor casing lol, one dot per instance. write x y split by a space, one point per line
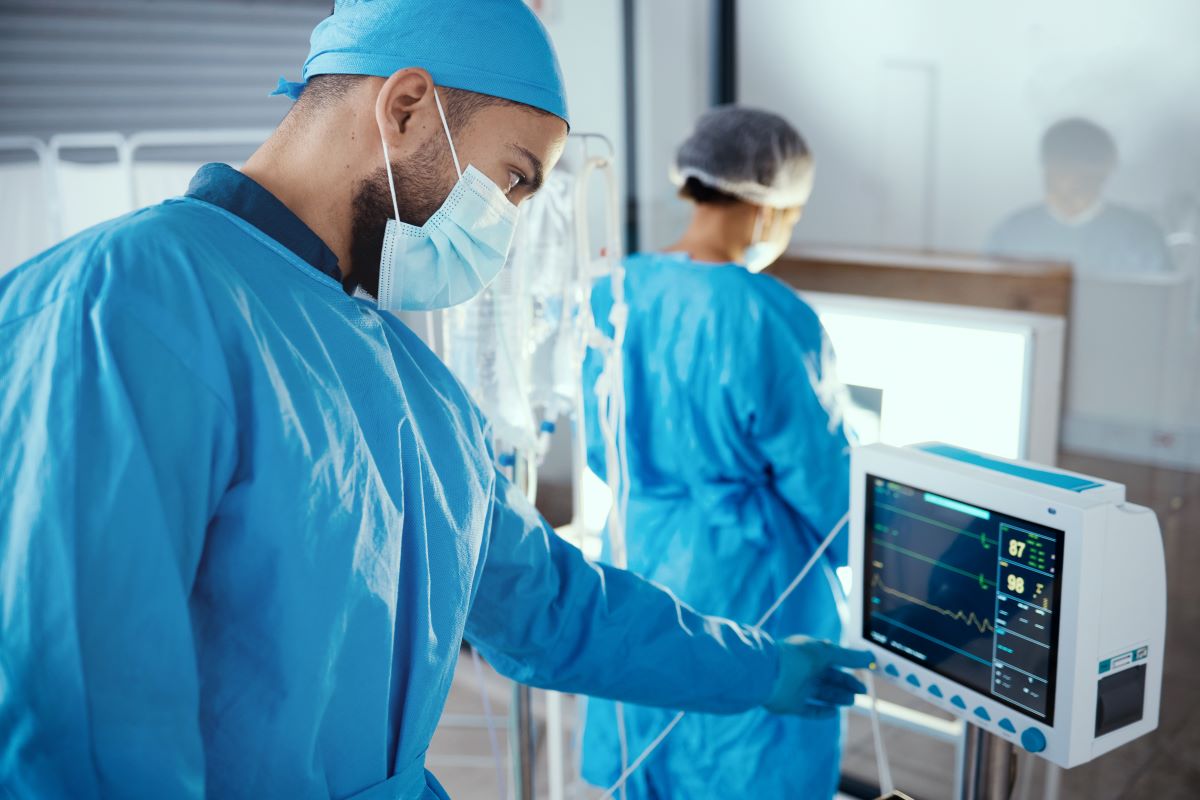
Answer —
1113 593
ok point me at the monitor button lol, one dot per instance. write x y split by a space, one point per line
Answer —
1033 740
934 690
981 712
890 669
1006 724
913 680
958 701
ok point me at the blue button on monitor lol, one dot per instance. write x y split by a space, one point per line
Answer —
890 669
958 701
913 680
1033 740
981 712
934 690
1006 724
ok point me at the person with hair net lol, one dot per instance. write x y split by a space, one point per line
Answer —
1075 222
738 456
247 518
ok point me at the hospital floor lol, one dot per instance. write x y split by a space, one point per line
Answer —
1162 766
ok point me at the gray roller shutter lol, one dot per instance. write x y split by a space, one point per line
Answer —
134 65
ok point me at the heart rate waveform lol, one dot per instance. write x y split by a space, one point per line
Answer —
983 625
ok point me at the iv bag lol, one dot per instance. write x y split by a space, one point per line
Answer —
511 346
482 341
546 257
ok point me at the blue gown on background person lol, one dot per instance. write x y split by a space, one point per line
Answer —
246 521
1115 243
739 466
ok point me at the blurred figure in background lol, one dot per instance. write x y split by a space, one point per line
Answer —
738 456
1075 223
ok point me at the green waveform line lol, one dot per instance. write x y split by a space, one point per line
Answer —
982 625
984 583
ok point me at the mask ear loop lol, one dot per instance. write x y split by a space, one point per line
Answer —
758 227
446 127
387 160
385 258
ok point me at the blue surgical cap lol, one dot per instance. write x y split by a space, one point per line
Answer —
493 47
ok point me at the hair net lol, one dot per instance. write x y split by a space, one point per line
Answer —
1080 142
493 47
753 155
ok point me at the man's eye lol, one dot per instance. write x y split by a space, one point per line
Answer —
515 179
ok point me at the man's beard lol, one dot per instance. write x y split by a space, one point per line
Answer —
420 190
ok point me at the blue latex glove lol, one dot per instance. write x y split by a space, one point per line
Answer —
811 682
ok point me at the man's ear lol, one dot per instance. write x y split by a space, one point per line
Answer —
405 109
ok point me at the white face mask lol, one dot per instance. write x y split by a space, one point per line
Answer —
456 253
763 252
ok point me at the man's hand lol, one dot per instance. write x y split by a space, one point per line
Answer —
811 682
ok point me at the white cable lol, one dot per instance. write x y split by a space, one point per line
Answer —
804 570
617 466
579 787
623 743
650 748
628 771
882 764
493 737
886 786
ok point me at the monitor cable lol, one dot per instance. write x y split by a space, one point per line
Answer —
886 785
800 576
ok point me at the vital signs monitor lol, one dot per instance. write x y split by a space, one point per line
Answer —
1028 601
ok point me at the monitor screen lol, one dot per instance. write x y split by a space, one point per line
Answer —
967 592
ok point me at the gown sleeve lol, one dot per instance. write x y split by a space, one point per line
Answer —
544 616
789 401
113 455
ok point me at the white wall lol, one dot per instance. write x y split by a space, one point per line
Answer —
1001 71
587 37
673 69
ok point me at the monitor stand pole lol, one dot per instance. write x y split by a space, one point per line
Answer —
521 738
991 767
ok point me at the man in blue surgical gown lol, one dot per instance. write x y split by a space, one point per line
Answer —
1076 222
247 518
738 457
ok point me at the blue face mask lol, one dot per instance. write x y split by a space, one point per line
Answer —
456 253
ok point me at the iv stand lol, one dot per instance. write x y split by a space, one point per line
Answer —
521 725
520 718
520 721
